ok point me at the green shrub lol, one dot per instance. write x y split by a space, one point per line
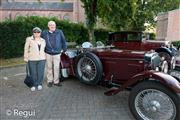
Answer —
152 36
14 32
176 44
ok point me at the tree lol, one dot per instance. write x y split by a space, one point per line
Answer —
90 11
113 13
132 14
90 7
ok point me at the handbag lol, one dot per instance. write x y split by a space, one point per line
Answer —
28 81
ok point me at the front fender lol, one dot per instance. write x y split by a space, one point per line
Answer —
65 61
165 79
165 49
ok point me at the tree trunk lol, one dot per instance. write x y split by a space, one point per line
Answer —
91 36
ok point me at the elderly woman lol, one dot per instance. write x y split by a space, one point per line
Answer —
34 55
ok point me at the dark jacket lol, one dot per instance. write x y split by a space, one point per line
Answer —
60 42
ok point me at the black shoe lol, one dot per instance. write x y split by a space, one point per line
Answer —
58 84
49 84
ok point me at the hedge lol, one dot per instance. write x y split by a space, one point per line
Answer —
14 32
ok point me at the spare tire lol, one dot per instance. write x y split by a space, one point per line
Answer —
89 68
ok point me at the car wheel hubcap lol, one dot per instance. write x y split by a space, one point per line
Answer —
154 104
86 69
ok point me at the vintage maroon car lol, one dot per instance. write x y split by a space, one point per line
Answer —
135 40
154 95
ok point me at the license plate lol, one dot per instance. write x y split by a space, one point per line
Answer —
175 74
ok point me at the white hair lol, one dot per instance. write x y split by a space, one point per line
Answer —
51 23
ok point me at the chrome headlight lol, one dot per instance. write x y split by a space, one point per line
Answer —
164 67
87 45
153 59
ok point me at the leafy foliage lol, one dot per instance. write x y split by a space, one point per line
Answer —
176 43
13 33
132 14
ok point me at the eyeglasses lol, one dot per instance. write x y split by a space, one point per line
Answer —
36 32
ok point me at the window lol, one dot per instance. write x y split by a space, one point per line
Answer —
59 16
66 17
51 15
17 15
134 37
10 1
120 37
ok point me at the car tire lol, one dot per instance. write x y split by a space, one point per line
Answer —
166 55
148 97
89 68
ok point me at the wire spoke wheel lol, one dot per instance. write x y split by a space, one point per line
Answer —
151 100
154 104
89 68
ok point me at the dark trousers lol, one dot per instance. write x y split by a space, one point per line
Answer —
36 69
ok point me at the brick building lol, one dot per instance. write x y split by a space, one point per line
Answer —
168 25
68 9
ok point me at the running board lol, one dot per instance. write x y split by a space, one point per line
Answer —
112 91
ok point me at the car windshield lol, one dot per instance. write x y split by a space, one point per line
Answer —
119 37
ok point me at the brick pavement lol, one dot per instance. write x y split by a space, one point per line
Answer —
72 101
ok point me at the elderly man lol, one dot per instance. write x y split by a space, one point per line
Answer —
55 43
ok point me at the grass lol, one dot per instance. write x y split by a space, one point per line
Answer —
11 62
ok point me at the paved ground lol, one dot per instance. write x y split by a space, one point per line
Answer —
72 101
